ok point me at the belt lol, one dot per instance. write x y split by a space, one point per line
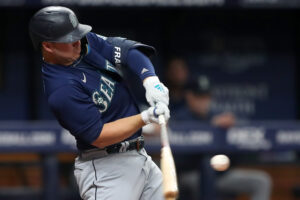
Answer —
135 144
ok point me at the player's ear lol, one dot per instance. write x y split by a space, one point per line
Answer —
47 46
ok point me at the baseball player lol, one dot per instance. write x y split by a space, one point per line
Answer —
88 95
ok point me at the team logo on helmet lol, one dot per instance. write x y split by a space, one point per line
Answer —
73 20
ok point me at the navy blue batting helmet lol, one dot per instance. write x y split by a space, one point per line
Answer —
56 24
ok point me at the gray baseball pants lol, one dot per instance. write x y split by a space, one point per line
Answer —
131 175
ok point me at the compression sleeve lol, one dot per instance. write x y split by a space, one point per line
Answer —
76 113
140 64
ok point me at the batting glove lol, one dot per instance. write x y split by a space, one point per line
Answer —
156 91
151 114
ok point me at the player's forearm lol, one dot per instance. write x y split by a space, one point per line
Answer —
140 64
119 130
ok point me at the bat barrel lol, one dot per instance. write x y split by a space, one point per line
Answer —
170 186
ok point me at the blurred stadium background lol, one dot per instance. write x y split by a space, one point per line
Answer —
247 49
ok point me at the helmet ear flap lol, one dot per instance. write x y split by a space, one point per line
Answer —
84 46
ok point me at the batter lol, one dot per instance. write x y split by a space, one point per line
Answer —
89 97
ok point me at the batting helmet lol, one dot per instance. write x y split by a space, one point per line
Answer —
56 24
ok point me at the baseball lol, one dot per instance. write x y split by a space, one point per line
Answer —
220 162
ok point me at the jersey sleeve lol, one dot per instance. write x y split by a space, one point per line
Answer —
124 52
99 43
76 112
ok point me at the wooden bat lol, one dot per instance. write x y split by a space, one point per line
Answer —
167 164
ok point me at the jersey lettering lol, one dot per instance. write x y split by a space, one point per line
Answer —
104 97
108 82
110 67
117 55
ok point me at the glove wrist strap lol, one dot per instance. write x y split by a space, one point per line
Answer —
150 81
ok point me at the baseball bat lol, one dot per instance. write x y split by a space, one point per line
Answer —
170 186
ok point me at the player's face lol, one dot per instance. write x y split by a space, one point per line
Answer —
199 104
67 52
177 73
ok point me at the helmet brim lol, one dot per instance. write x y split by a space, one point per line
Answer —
77 34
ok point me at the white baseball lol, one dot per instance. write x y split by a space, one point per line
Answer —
220 162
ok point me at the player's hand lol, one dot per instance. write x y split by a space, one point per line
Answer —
151 114
156 91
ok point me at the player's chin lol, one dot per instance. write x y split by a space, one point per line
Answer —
76 55
73 59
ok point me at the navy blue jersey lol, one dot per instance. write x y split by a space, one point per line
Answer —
86 95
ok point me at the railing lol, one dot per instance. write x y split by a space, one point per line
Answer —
48 138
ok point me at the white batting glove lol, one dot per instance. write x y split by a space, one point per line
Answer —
156 91
151 114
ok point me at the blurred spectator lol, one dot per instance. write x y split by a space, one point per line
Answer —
192 101
197 105
184 93
177 74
